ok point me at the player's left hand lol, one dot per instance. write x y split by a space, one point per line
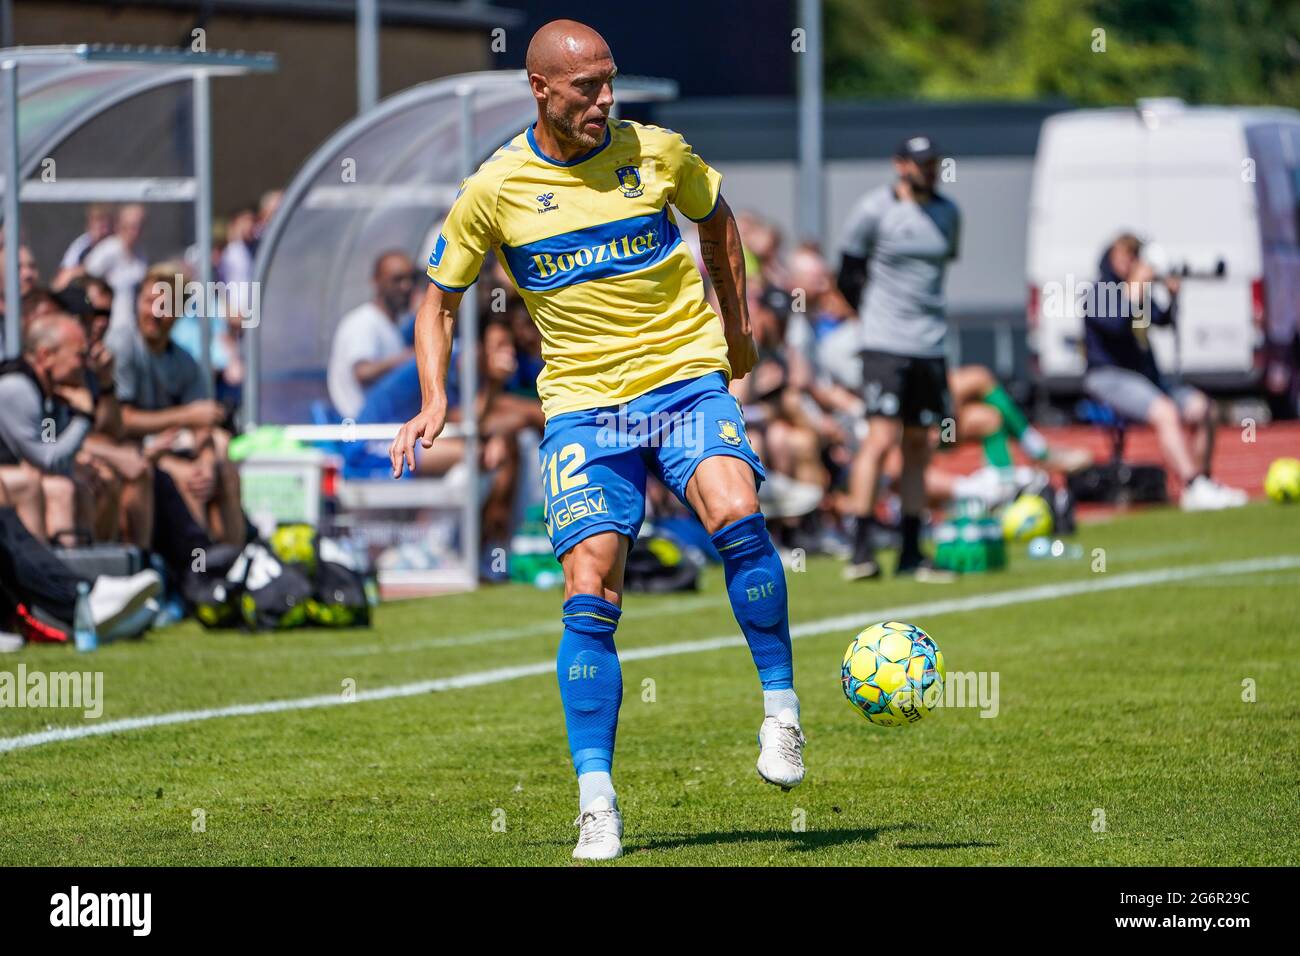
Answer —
742 353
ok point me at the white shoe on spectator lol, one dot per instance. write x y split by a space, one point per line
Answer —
131 625
113 599
1203 494
783 497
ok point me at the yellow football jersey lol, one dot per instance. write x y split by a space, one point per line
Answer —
593 248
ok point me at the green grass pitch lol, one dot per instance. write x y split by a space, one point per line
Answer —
1121 737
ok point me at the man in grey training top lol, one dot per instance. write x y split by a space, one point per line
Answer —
895 252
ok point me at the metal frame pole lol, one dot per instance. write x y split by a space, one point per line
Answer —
367 55
811 200
203 216
12 220
469 359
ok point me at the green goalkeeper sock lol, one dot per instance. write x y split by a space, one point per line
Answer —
997 449
1012 416
1014 421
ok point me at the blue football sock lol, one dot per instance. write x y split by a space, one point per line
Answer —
591 681
756 586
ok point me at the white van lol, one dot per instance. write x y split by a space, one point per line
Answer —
1216 189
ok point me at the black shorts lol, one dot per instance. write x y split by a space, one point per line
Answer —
914 390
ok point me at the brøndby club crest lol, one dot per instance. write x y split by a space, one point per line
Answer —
629 181
729 432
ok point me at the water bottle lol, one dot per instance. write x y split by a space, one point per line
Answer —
1044 547
83 621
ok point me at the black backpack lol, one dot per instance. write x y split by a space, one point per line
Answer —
658 565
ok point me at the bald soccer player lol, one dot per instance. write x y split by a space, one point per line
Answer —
635 382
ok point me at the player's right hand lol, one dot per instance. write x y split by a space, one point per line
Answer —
742 354
424 428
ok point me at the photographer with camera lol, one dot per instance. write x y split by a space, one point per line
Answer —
1122 371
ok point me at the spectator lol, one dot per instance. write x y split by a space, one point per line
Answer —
225 330
528 349
368 342
237 256
124 494
29 278
267 207
1122 372
32 576
504 410
762 243
99 225
48 412
37 303
166 405
119 261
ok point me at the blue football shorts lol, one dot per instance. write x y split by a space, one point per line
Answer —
595 461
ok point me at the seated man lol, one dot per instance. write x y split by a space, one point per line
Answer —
166 406
29 279
987 413
47 415
121 475
368 342
1122 372
501 411
31 576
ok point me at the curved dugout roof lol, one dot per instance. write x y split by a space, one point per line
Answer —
383 181
52 93
62 88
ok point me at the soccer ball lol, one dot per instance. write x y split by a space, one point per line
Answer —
1282 483
1029 516
893 674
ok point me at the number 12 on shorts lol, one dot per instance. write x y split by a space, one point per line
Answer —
561 468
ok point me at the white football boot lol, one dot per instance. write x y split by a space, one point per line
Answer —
780 754
600 834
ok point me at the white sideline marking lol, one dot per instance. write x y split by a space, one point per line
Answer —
845 622
685 606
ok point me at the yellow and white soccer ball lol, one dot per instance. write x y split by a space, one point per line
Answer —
893 674
1282 483
1028 517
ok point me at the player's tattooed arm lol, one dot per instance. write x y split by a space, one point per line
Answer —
435 325
724 261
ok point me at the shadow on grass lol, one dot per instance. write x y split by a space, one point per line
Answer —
969 845
808 841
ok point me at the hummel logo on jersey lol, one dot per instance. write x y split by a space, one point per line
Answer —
546 204
621 247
